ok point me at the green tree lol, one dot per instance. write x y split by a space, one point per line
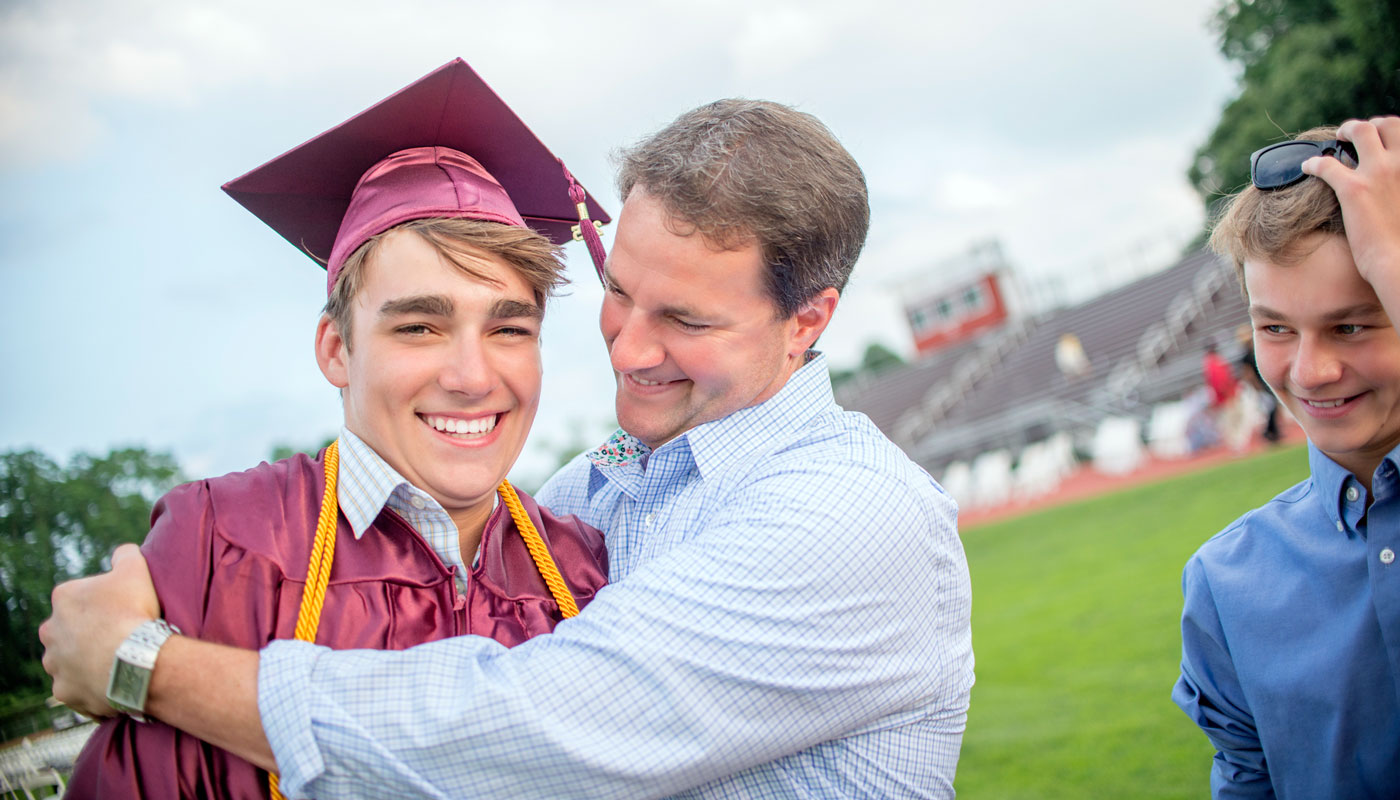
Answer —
1303 63
283 450
58 523
876 359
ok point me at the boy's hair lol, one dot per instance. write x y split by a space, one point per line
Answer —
531 255
1269 225
736 171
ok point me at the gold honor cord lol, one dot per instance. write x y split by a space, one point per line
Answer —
543 561
318 571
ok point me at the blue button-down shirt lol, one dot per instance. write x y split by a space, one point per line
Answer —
789 617
1291 641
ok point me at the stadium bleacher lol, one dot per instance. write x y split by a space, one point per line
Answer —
1003 390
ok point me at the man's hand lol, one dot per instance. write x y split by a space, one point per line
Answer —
91 618
1370 198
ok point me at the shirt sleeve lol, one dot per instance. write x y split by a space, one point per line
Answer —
784 623
1209 692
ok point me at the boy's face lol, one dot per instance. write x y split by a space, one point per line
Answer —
1326 347
443 378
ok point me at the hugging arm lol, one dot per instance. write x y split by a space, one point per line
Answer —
782 625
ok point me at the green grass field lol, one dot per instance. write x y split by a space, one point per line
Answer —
1075 622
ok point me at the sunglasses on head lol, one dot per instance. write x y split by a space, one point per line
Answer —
1280 165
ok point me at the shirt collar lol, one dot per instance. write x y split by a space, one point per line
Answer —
1332 480
365 482
740 436
620 449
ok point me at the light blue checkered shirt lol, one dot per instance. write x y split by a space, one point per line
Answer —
366 483
788 618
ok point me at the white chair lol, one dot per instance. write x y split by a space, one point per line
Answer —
1117 447
1036 474
1166 430
957 481
991 479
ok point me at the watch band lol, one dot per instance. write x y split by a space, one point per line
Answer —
130 678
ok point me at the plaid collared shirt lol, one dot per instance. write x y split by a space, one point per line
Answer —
367 483
788 617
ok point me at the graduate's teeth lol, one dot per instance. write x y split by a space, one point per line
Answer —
469 427
1324 403
645 382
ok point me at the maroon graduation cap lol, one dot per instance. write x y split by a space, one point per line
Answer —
444 146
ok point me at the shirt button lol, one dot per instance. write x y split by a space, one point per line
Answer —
649 519
1387 556
1339 526
416 502
1352 494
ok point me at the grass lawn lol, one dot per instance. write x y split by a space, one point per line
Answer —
1075 622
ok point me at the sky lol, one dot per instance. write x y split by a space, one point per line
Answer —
139 305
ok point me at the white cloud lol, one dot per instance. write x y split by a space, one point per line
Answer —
1062 129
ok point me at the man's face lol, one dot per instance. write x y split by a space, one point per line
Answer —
692 333
442 377
1326 347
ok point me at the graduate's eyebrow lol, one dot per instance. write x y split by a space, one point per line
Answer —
434 305
514 309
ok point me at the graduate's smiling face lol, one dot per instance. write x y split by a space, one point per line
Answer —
1326 347
442 372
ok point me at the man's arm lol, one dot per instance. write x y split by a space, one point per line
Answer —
205 689
1209 692
784 625
1370 200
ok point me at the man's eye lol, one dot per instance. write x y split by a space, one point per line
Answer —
1276 330
688 326
1350 329
415 329
512 330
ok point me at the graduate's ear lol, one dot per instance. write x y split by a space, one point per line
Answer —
332 352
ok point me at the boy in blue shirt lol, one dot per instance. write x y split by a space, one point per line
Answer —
1291 628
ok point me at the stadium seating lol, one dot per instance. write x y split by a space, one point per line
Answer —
1144 342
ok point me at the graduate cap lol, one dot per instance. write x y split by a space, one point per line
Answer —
444 146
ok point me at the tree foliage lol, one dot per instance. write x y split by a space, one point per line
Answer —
877 359
1304 63
58 523
283 450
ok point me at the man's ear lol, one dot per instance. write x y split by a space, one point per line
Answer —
811 320
332 352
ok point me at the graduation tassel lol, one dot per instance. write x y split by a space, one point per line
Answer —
586 230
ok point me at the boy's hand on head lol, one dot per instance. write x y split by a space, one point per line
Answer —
1369 195
91 618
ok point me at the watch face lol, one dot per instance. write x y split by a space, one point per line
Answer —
128 685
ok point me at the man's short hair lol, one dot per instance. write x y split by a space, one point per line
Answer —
531 255
1270 225
736 171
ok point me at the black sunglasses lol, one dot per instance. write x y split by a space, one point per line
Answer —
1280 165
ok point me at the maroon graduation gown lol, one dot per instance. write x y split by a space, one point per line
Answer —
228 557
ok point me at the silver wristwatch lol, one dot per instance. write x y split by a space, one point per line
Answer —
131 668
